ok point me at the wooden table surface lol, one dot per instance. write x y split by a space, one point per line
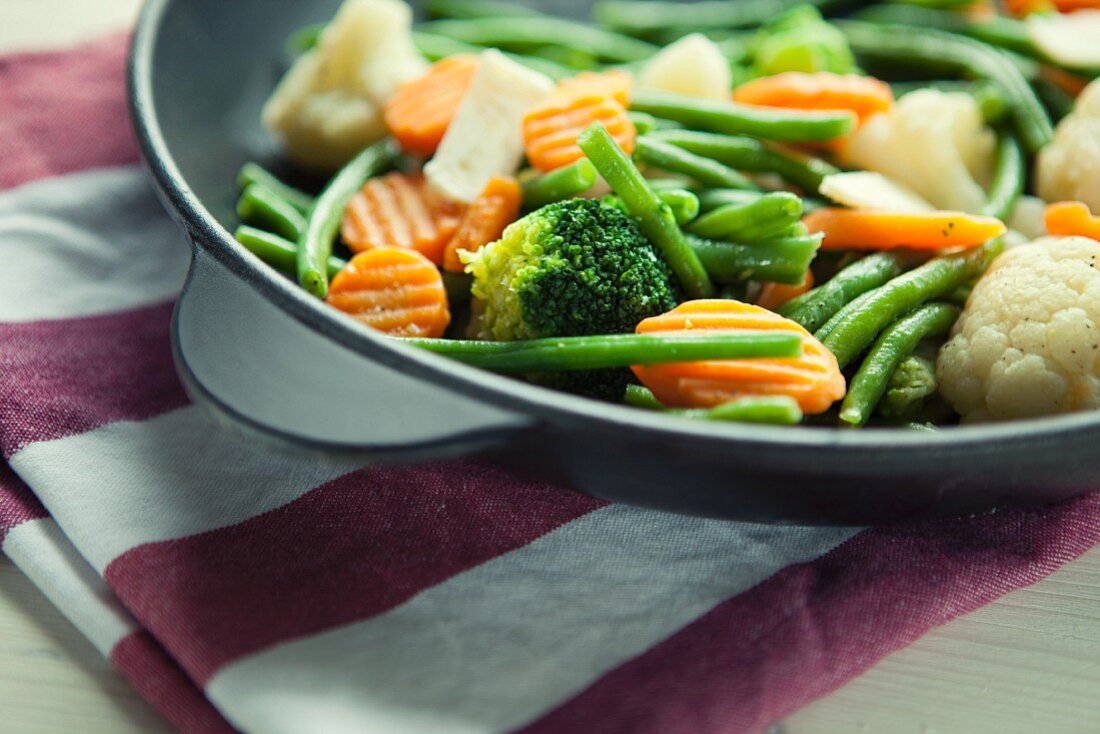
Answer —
1029 662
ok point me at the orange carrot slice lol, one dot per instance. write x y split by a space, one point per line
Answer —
871 229
774 295
393 290
1020 8
1067 218
400 210
615 83
550 130
813 379
485 219
418 113
862 95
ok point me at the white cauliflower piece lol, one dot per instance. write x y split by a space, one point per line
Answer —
1028 342
870 190
693 66
485 137
1069 39
933 142
1069 168
329 104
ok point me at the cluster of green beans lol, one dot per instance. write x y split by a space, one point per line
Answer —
653 17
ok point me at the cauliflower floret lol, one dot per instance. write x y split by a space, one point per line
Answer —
1068 167
1028 342
693 66
328 106
933 142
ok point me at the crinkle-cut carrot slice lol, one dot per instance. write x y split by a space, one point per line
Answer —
550 131
823 90
419 112
400 210
813 380
485 219
394 290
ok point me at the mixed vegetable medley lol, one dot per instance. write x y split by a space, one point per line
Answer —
750 210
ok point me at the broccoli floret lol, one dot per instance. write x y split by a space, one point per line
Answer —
801 40
572 268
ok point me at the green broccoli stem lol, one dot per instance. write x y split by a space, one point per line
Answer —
775 409
782 260
612 350
563 183
654 216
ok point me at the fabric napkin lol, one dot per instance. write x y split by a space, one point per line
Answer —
238 587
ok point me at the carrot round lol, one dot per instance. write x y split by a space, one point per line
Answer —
871 229
418 113
485 219
550 130
393 290
823 90
813 379
400 210
1067 218
614 83
774 295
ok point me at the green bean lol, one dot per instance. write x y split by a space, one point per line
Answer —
711 199
643 123
782 260
435 47
642 397
563 183
1009 176
654 216
829 326
775 409
735 119
1056 100
263 208
996 31
991 101
895 343
567 354
917 46
278 252
912 382
861 323
644 18
577 59
749 154
765 231
778 208
315 244
254 173
706 171
684 204
513 34
472 9
815 307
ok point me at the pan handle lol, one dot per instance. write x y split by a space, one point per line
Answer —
265 370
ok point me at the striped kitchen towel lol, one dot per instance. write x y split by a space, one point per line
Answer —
240 588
